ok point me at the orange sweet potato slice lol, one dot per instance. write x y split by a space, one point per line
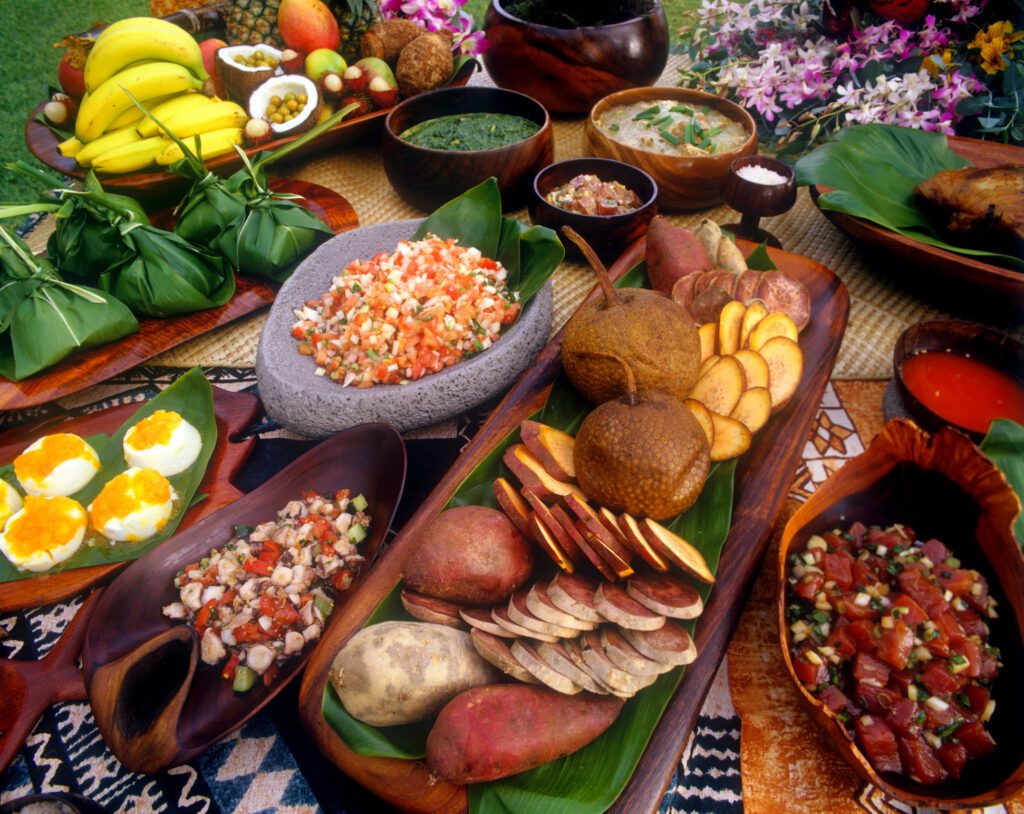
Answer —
773 325
755 312
754 366
785 368
721 387
676 550
707 333
729 323
553 448
754 408
703 416
732 438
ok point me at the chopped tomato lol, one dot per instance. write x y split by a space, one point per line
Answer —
259 567
286 615
267 605
203 617
250 632
270 675
228 673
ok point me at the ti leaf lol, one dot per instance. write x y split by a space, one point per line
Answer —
874 168
1004 445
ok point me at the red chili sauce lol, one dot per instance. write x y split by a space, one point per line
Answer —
962 390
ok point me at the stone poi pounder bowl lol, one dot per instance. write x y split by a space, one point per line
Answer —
315 406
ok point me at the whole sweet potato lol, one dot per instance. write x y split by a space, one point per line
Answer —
471 555
491 732
673 252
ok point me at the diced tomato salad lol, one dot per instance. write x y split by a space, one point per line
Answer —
262 598
397 317
891 634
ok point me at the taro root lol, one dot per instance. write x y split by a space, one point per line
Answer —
424 64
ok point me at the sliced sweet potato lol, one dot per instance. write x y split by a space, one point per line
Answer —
571 541
707 335
754 408
682 292
721 387
594 531
771 326
708 304
754 367
615 604
429 609
704 282
556 656
746 285
574 650
575 594
785 368
606 670
532 474
729 323
611 522
496 650
626 657
669 644
707 364
703 416
540 605
513 505
591 553
732 438
553 448
492 732
526 656
520 614
781 292
756 311
481 619
501 617
725 280
637 541
546 540
674 548
546 518
665 594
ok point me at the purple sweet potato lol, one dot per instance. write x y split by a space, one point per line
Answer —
673 252
491 732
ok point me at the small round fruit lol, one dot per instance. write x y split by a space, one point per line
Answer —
324 60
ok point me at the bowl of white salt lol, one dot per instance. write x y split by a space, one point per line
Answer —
758 186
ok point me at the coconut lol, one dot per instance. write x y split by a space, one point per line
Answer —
280 86
239 81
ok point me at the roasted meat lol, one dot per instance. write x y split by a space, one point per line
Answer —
981 208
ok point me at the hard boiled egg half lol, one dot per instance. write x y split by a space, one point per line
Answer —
10 502
44 532
163 441
56 465
133 506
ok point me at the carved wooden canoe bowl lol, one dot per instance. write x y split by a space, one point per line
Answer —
941 486
427 178
155 704
568 69
684 182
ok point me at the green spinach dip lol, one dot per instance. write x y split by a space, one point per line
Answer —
470 131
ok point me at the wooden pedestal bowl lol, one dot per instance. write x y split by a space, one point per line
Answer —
684 182
568 69
427 178
941 486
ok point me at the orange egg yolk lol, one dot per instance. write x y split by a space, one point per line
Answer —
35 466
46 523
155 430
128 493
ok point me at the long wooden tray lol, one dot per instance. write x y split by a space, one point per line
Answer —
934 271
84 369
234 411
762 483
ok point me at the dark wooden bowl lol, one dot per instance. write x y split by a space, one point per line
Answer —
953 336
609 235
763 200
941 486
568 69
684 182
155 705
427 178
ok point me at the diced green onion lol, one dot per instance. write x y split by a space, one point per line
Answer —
614 128
242 531
245 677
952 562
714 131
688 132
670 138
358 503
649 113
660 122
478 344
372 354
681 109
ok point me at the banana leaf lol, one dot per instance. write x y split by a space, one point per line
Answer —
44 318
587 781
1004 445
165 275
192 397
530 254
874 169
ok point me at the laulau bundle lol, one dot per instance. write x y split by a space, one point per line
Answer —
43 318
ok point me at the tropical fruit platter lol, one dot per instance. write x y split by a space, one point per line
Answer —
601 403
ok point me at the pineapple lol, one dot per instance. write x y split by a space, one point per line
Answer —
253 21
162 8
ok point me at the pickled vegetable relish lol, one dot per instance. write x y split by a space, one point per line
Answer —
890 634
397 317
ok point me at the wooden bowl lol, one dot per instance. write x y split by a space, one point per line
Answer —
941 486
684 182
568 69
155 705
953 336
427 178
608 234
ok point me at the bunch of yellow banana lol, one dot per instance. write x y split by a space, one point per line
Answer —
141 39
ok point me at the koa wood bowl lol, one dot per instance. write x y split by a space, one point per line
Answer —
568 69
970 339
941 486
609 235
427 178
684 182
155 703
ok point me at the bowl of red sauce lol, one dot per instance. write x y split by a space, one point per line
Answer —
959 374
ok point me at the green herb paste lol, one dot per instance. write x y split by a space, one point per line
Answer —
470 131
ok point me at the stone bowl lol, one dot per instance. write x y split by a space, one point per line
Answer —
315 406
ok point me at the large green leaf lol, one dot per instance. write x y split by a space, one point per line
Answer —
589 780
192 397
874 169
1004 445
530 254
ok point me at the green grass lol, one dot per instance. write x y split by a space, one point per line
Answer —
28 61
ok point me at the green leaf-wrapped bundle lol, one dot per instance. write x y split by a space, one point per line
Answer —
43 318
167 276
